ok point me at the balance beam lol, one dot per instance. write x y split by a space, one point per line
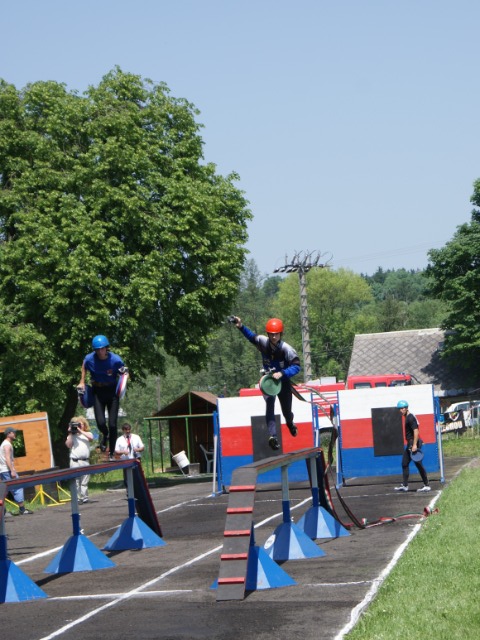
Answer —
239 552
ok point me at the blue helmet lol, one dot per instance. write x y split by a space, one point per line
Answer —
100 341
402 404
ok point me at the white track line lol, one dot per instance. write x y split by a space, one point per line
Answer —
129 594
134 592
44 554
360 608
377 582
109 596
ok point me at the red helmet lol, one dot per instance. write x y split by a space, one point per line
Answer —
274 325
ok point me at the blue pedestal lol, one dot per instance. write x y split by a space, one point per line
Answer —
264 573
318 523
15 586
133 534
289 542
79 554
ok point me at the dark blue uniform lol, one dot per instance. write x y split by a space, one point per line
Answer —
281 357
411 423
103 377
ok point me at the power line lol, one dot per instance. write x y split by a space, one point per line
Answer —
397 251
301 263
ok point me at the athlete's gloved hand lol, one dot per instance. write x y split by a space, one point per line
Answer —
235 320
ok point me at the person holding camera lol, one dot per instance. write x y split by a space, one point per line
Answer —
78 441
104 368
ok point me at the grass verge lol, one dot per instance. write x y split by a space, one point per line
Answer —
432 593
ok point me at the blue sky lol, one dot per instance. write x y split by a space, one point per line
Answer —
353 124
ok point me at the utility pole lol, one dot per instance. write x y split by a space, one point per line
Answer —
301 263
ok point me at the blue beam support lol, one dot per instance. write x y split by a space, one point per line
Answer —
133 533
15 586
317 522
288 541
78 553
262 571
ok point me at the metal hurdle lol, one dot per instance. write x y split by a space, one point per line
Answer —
79 553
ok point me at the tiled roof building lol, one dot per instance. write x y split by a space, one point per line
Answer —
417 352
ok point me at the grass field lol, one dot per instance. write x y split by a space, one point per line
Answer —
432 593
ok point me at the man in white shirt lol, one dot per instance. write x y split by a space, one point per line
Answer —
7 468
129 445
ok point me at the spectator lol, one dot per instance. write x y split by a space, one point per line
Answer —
78 441
128 446
7 468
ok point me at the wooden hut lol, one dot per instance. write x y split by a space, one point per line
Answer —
190 424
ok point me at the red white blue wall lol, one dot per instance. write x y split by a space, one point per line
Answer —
360 451
244 435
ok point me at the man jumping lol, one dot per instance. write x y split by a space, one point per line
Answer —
282 361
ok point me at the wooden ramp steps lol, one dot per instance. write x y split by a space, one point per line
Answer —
239 554
237 535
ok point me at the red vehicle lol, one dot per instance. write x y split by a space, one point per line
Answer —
387 380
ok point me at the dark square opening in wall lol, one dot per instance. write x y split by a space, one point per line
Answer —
260 437
388 439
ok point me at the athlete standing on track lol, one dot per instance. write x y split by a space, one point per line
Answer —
412 437
283 360
104 367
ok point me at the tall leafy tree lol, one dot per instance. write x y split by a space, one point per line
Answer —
110 222
336 303
403 300
233 362
455 272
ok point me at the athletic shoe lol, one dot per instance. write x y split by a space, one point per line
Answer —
103 448
25 512
84 500
402 487
424 489
273 443
111 458
293 429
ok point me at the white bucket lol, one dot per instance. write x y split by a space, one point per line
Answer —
181 459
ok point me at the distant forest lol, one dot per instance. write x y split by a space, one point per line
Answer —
340 305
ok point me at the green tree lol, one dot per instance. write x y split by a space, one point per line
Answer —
233 362
336 307
109 223
392 314
404 285
403 300
455 273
